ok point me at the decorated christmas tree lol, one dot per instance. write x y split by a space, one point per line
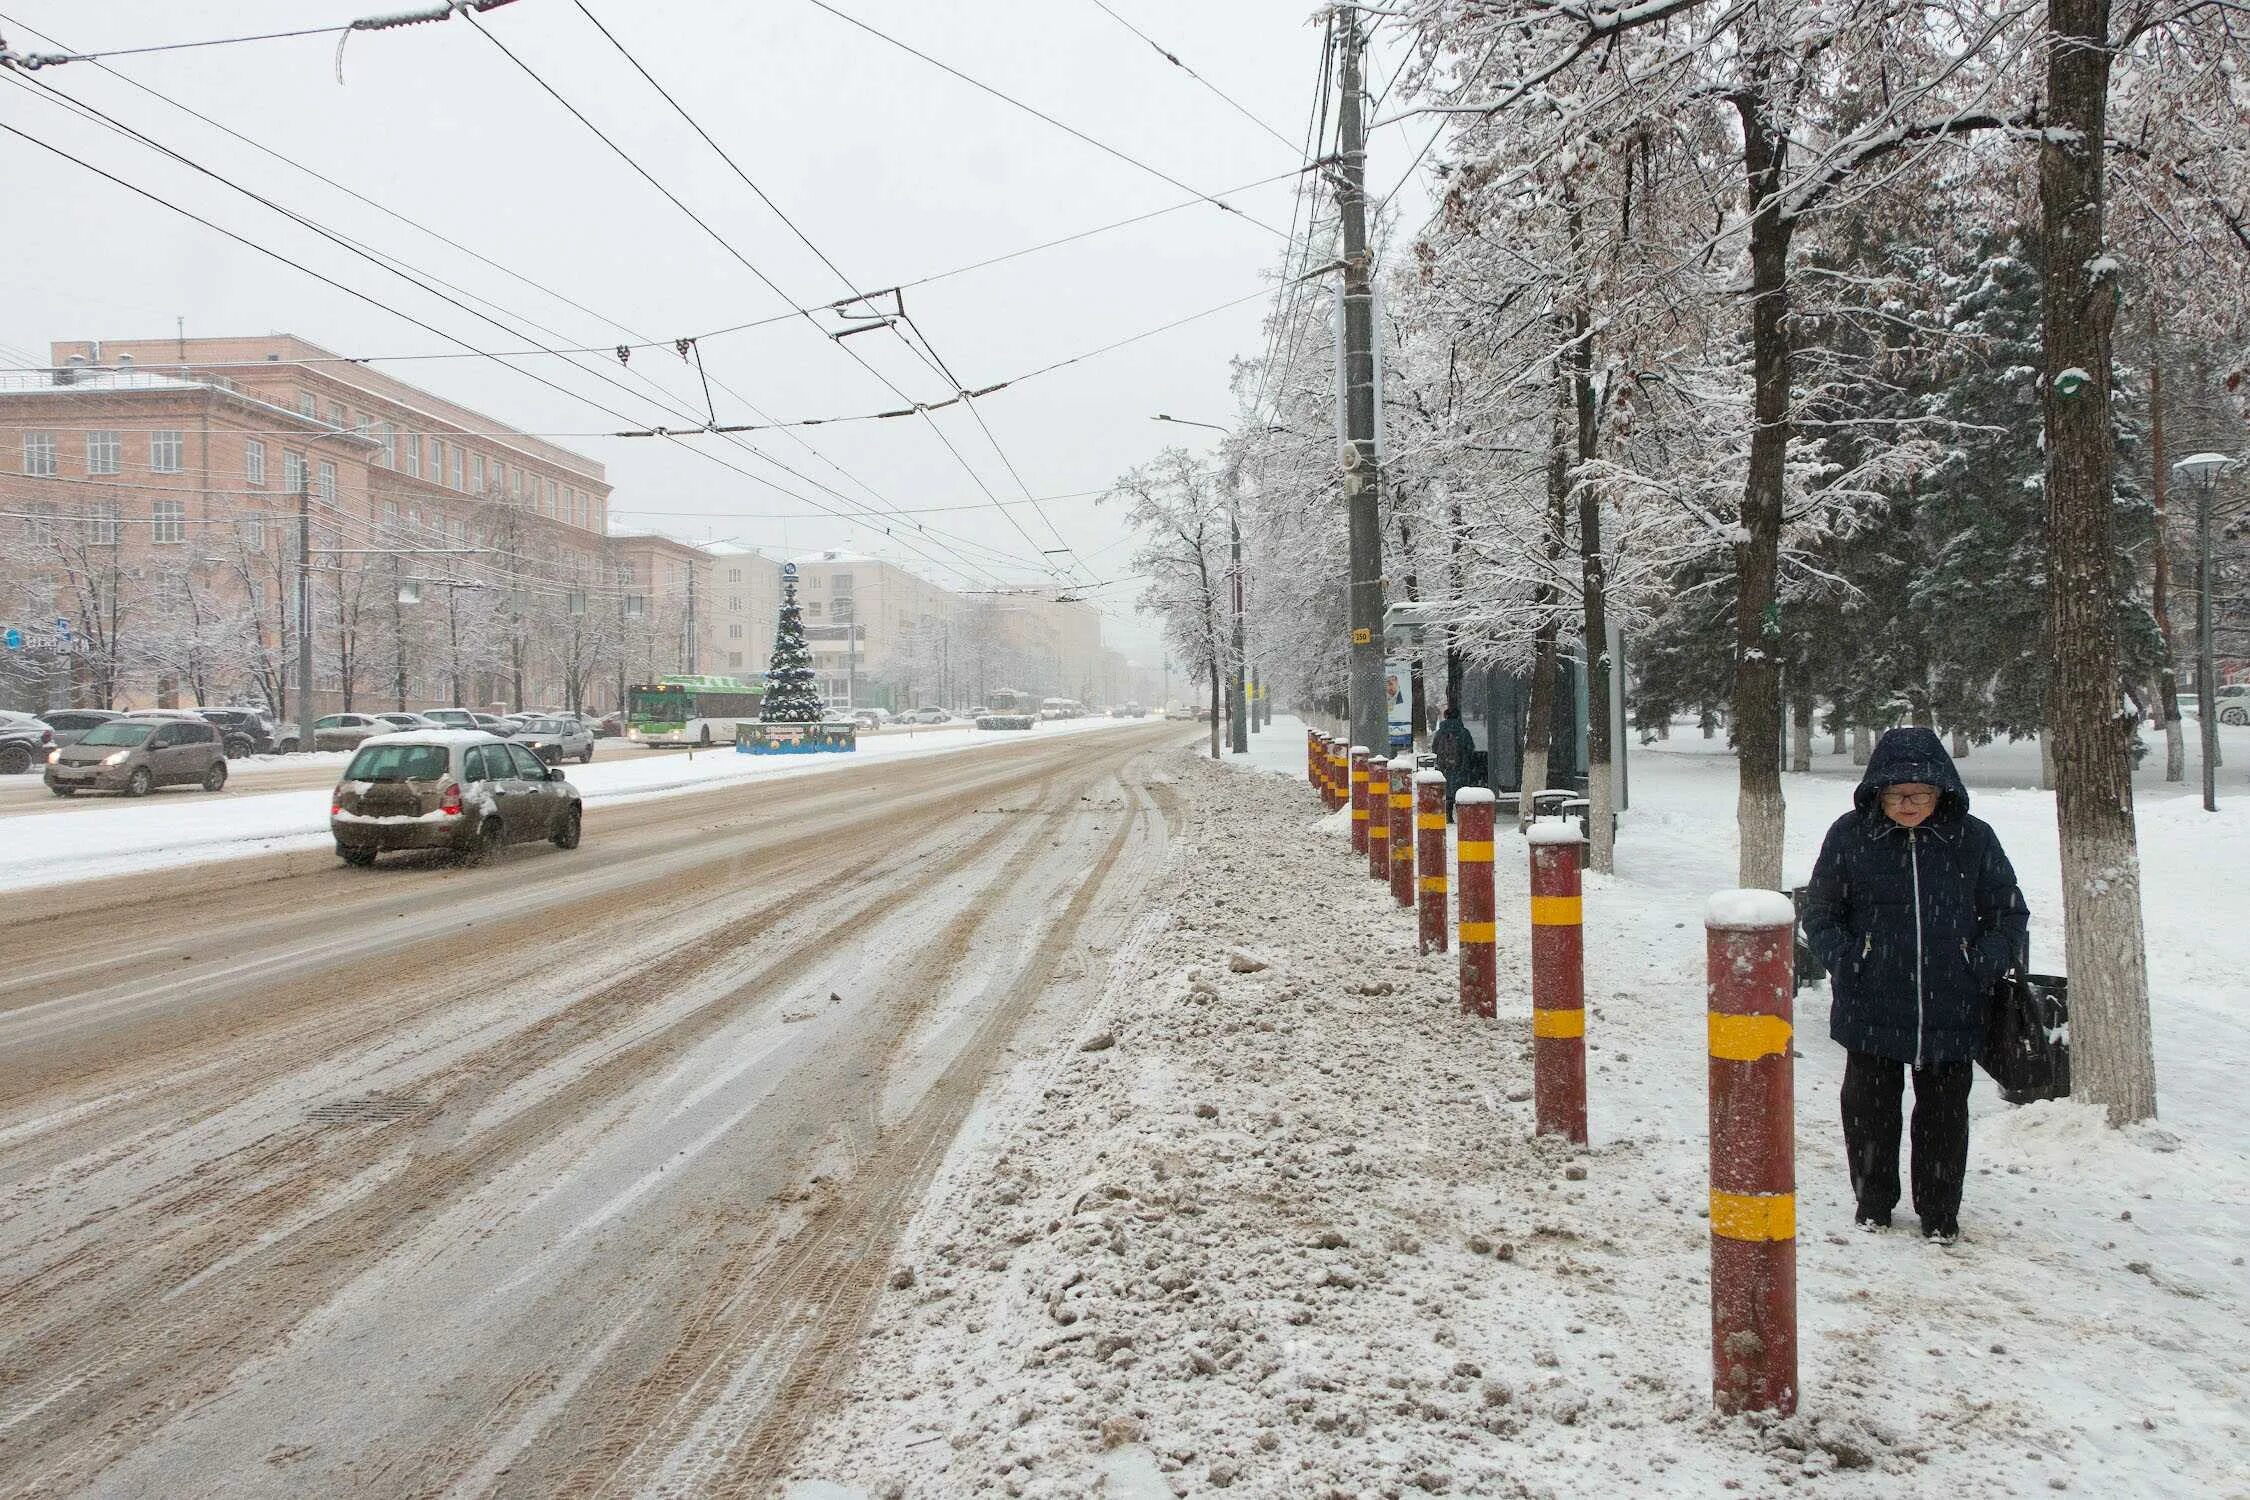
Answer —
791 695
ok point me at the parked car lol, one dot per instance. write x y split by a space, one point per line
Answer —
402 722
251 731
610 726
25 740
925 716
469 718
1179 712
874 718
348 731
557 740
137 753
2231 701
71 724
461 790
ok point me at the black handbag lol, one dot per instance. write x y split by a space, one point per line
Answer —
2027 1036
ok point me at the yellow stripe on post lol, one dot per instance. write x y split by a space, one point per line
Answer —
1377 828
1429 820
1747 1038
1558 1023
1473 852
1433 883
1402 799
1359 815
1479 932
1756 1217
1557 911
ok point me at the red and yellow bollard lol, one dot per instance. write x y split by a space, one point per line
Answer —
1359 799
1378 818
1429 857
1558 983
1340 770
1312 758
1328 773
1750 972
1472 853
1402 830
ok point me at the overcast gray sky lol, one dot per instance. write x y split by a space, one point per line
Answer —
892 168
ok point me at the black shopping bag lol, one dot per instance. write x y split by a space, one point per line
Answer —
2027 1037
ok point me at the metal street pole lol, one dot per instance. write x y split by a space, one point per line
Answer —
1237 704
305 714
1362 477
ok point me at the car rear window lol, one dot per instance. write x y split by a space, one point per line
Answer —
397 763
119 732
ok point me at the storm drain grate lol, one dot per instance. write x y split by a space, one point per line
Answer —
367 1109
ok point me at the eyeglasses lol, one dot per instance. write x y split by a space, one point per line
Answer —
1909 799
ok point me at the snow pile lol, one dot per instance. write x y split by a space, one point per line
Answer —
1281 1229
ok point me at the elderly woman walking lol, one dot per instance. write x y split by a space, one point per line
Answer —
1914 909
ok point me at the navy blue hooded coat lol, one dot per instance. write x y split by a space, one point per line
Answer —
1914 925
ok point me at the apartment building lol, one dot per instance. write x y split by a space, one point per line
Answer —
152 497
879 634
745 608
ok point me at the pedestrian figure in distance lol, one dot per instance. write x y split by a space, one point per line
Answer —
1453 746
1914 909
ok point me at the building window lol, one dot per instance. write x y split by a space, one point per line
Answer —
103 452
39 454
413 447
250 531
254 463
550 497
734 603
387 435
292 471
165 449
336 414
625 578
734 575
170 517
101 523
476 474
460 467
326 488
578 601
636 605
307 406
813 609
734 632
390 512
435 460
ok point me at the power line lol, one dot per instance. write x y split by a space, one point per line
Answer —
1038 114
850 285
1173 58
34 61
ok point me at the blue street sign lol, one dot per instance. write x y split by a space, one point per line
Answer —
62 627
15 639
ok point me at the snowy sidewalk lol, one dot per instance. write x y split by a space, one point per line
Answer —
1284 1231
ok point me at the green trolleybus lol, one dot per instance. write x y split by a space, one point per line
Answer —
691 710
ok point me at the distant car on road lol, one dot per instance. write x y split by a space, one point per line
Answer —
137 753
25 740
1179 712
402 723
250 731
2232 703
925 716
557 740
70 724
348 731
461 790
467 718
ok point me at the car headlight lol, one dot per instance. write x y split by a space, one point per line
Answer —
53 756
118 758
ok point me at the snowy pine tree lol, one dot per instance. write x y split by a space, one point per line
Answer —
792 697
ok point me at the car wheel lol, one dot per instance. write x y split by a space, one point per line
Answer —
703 740
64 791
490 837
566 837
2235 716
139 783
588 758
14 759
351 856
215 779
238 747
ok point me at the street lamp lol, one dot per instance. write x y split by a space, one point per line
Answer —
2204 469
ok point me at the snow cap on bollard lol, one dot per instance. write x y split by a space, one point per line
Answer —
1743 910
1565 832
1429 778
1473 795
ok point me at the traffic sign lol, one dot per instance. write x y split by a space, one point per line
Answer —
14 639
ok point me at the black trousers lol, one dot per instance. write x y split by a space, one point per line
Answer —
1872 1086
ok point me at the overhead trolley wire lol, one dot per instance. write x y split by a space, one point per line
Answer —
1174 59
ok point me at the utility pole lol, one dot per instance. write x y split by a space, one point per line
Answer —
1237 707
1362 480
305 714
688 654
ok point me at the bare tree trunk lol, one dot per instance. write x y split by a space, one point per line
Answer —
1960 746
1863 744
2112 1061
1760 813
1601 791
1215 710
1800 730
1836 731
1540 726
2167 679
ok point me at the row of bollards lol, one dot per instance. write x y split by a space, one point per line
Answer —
1398 823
